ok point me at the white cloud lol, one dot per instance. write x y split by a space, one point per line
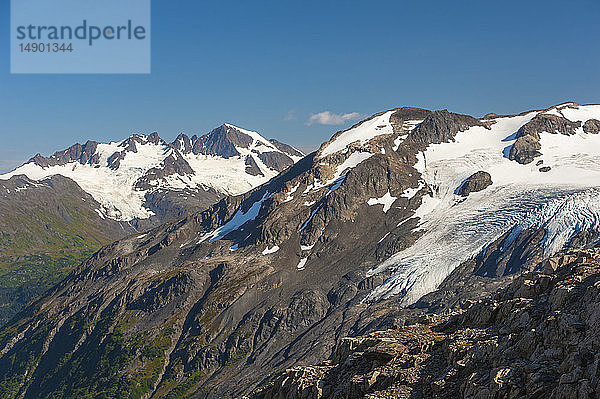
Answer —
291 115
329 118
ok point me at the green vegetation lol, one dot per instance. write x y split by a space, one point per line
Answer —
85 359
30 276
42 238
182 391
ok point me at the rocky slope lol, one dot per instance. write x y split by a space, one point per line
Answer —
46 227
538 337
336 245
55 211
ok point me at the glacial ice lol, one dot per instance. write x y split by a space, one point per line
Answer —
563 201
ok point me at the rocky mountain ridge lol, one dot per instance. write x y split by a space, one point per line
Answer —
536 337
143 177
55 211
339 244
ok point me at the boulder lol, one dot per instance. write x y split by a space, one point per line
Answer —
476 182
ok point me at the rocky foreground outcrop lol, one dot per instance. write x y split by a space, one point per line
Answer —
539 337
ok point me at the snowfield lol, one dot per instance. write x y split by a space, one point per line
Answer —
113 189
564 200
387 200
364 132
116 191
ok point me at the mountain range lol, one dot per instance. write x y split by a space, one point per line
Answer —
406 218
55 211
130 178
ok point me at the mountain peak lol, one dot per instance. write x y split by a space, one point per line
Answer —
225 141
124 176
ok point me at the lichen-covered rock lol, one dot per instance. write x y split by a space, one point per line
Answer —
536 338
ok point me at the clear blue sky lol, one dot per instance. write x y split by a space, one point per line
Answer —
268 66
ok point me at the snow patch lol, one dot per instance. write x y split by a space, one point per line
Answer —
338 177
337 183
397 141
312 214
268 250
290 195
237 221
364 132
301 264
411 192
383 238
387 200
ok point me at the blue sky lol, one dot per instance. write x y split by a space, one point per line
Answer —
269 66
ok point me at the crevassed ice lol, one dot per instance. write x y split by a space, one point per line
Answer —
564 200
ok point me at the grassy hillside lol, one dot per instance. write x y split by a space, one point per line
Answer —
46 228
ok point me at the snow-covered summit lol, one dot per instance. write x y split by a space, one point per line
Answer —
119 175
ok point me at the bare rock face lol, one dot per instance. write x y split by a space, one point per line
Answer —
548 123
525 149
527 146
174 164
510 254
536 338
77 152
275 160
288 149
476 182
222 142
441 127
251 166
591 126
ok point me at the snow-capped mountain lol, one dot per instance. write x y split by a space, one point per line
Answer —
124 176
410 206
545 174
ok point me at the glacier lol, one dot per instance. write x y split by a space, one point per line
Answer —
563 201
